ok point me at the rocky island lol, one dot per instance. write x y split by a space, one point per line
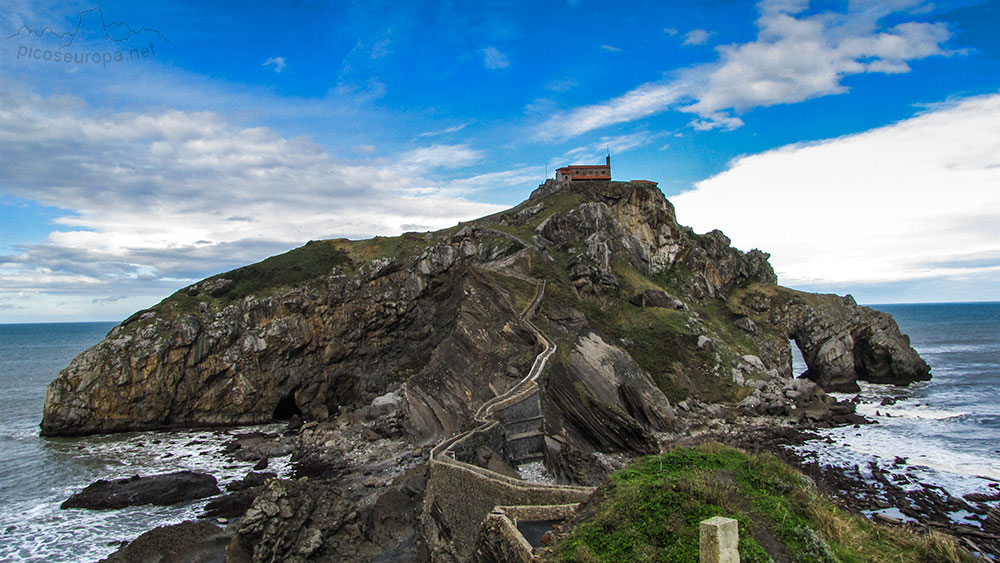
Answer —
572 333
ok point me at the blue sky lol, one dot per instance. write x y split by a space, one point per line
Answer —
857 142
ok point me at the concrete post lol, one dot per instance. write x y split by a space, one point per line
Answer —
720 538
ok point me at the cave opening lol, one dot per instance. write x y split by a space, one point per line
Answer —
286 408
799 366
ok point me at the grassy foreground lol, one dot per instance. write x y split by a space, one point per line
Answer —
651 511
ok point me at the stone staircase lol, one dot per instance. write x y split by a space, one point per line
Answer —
522 424
460 495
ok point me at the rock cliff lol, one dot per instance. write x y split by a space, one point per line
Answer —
387 346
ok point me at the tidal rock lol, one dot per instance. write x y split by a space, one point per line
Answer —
841 341
232 505
799 399
190 541
162 490
252 479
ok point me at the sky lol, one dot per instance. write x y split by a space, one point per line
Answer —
145 146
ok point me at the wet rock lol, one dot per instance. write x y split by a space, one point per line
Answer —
259 447
190 541
252 479
232 505
163 490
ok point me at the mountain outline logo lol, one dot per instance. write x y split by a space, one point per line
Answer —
106 28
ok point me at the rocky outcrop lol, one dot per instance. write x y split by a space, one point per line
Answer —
637 225
304 520
340 340
194 542
379 351
601 400
162 490
840 341
655 298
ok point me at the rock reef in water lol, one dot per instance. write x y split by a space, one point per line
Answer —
387 346
162 490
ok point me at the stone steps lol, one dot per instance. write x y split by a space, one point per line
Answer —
520 427
525 435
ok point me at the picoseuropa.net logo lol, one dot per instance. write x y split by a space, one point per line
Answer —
48 45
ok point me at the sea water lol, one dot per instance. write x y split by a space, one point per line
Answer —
38 474
947 429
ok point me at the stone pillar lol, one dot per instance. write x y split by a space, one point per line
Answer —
720 538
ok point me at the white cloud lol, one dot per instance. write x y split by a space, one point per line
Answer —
641 102
441 156
696 37
916 200
795 57
493 59
612 49
163 199
278 62
445 131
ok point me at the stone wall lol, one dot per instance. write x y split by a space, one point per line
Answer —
460 496
500 541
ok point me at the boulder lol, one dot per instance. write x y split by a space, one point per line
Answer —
652 298
252 479
161 490
189 541
232 505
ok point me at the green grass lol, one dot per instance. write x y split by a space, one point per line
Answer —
560 202
292 268
297 267
651 512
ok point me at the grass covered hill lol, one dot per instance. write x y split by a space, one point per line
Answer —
651 511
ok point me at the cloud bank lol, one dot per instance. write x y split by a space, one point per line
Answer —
795 57
159 200
917 200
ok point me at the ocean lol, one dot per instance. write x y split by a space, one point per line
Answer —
38 474
947 428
